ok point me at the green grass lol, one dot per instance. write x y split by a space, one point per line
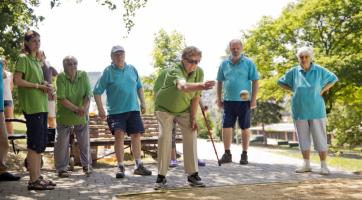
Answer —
348 164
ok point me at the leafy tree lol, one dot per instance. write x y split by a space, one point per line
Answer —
267 112
16 16
332 27
130 7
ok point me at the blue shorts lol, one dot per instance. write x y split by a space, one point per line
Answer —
236 110
37 131
129 122
8 103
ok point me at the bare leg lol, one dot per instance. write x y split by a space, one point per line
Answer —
245 135
136 145
32 160
226 137
118 145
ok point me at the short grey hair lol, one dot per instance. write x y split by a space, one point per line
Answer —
237 41
305 51
69 58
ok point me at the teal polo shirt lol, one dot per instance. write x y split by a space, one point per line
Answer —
237 77
307 103
121 86
168 97
74 91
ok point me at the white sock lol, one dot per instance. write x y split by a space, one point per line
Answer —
306 163
323 164
137 162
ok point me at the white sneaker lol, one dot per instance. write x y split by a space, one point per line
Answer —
303 169
324 171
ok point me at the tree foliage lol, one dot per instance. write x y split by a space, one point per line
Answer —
16 16
333 28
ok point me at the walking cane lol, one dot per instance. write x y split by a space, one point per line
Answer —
209 131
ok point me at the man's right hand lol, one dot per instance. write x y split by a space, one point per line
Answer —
220 103
101 113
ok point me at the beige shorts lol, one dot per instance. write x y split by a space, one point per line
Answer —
51 108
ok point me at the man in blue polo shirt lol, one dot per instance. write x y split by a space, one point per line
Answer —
123 88
4 145
237 79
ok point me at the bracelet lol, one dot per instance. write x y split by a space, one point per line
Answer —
36 85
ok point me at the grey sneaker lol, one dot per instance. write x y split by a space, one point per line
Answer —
120 172
195 180
87 170
160 184
226 158
141 170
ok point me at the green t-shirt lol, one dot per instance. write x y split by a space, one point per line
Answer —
73 91
31 100
169 98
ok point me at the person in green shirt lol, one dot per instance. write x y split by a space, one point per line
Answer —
73 97
33 100
178 99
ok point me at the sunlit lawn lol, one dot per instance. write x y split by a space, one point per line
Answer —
348 164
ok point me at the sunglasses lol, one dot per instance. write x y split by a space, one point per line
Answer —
193 61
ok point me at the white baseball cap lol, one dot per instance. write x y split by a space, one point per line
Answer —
117 48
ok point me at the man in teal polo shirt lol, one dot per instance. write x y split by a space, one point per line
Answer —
237 79
178 99
123 88
73 96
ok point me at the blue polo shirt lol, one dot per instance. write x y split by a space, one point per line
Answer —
307 103
121 86
1 88
237 77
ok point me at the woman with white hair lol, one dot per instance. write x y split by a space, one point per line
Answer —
308 81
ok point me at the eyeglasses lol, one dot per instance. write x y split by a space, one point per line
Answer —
303 57
193 61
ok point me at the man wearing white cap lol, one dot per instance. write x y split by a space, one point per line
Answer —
237 79
124 92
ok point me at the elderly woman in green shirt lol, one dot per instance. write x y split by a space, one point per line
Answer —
178 99
73 96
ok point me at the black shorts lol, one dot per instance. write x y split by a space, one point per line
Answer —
37 131
129 122
236 110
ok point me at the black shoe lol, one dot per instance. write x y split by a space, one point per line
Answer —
161 183
141 170
6 176
120 172
226 158
244 159
195 180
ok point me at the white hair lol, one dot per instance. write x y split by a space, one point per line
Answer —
305 51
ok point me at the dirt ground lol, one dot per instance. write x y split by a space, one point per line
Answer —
318 189
343 189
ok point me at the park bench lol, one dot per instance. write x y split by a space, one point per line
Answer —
100 135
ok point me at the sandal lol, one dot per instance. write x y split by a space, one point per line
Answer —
39 185
46 181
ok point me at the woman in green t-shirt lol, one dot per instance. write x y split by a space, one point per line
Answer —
33 100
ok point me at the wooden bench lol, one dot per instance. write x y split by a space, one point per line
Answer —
100 135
